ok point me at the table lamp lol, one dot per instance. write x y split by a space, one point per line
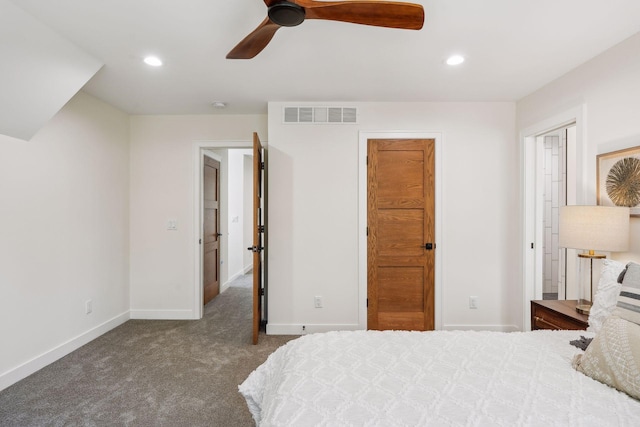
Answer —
591 228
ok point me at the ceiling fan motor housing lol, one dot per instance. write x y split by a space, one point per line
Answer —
286 14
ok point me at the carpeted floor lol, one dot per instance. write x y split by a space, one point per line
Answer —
150 373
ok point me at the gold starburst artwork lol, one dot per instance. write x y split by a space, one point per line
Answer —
618 179
623 182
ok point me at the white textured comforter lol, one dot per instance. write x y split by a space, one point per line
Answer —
432 379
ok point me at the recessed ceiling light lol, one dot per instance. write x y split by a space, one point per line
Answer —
218 104
455 60
154 61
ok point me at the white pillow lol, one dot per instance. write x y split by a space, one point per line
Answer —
606 297
628 306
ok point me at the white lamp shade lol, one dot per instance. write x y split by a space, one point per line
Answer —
602 228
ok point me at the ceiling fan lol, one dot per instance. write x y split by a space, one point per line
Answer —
289 13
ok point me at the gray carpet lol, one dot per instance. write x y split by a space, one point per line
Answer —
150 373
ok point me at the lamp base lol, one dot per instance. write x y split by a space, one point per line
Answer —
583 307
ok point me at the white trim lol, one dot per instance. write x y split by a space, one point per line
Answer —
235 276
529 205
24 370
211 154
297 329
162 315
479 328
227 284
362 218
198 149
300 329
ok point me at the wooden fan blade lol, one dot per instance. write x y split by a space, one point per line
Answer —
255 42
377 13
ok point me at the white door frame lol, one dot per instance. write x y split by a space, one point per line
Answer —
363 137
531 205
199 148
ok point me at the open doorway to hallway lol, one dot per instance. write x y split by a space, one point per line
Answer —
534 187
557 167
223 151
235 214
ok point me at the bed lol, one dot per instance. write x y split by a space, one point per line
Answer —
449 378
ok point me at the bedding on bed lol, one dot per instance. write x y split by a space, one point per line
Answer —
396 378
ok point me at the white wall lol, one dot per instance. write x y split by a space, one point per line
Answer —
609 87
313 213
65 231
236 218
162 186
41 71
248 211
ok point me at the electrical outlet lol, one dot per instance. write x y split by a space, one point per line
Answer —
172 224
88 306
473 302
317 302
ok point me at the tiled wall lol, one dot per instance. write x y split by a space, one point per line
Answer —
555 178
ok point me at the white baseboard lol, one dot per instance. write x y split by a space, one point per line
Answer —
492 328
288 329
162 315
16 374
235 276
299 329
226 284
239 274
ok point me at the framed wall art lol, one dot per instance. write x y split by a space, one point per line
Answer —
618 175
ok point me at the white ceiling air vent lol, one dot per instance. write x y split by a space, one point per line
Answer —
324 115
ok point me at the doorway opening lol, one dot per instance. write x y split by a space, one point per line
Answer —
236 188
553 174
558 169
232 216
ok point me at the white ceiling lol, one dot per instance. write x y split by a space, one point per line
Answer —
513 47
39 72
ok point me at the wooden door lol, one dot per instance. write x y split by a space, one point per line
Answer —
401 234
211 229
258 230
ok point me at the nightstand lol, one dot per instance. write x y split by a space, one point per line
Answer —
557 314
